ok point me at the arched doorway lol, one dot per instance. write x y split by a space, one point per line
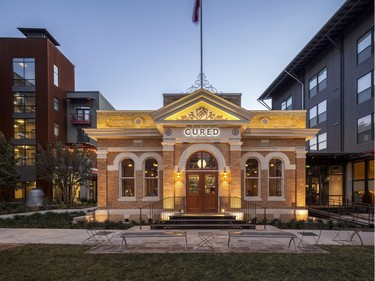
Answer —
201 183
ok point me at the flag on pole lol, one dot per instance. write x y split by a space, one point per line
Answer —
196 11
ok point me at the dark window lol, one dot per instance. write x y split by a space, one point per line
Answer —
287 104
318 114
318 82
365 47
365 129
365 87
23 72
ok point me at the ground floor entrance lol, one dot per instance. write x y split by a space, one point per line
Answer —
201 192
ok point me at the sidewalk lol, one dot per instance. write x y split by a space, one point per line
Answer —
162 245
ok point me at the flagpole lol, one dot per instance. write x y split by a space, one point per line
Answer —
201 37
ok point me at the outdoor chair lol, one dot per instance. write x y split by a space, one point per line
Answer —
97 235
310 235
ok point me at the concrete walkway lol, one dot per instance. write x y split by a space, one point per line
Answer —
162 245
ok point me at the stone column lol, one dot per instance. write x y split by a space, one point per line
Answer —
235 169
101 156
168 171
301 177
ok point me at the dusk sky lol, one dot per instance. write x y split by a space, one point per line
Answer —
133 51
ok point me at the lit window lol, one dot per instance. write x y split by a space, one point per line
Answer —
24 72
318 82
252 178
55 75
24 155
56 104
151 180
23 102
127 178
56 130
318 114
287 104
365 47
365 88
275 178
365 129
24 129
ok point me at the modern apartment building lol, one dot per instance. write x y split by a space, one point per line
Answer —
39 104
332 78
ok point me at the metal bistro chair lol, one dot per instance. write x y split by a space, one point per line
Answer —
98 236
310 234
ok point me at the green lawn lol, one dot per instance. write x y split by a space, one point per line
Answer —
63 262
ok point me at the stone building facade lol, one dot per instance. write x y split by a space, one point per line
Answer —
210 153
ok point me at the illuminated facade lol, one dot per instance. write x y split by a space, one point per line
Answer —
202 148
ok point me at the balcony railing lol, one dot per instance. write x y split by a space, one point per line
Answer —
82 119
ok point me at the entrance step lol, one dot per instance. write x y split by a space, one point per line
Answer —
204 221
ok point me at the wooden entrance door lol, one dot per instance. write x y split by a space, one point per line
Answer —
201 192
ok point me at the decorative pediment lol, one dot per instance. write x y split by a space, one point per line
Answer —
201 106
201 111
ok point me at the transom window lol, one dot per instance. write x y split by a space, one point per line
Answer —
365 87
23 72
127 178
252 178
275 178
365 46
151 178
287 104
318 82
201 161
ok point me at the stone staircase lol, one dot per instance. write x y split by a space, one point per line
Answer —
203 221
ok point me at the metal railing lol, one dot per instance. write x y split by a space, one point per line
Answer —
250 211
161 210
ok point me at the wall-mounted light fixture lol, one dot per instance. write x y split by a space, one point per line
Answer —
178 174
225 174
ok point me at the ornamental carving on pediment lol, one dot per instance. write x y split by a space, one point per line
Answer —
202 113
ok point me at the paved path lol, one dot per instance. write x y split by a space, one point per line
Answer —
76 236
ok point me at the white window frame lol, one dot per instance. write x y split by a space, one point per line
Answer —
55 75
258 197
150 197
282 178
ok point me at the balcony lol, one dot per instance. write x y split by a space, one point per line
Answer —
81 119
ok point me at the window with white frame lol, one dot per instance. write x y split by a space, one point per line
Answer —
252 178
365 46
365 88
151 178
365 129
287 104
318 114
275 178
55 75
318 142
56 130
127 178
318 82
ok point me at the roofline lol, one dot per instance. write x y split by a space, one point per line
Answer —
336 24
26 31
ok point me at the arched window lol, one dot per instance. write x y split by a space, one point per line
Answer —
275 178
201 161
127 178
151 178
252 178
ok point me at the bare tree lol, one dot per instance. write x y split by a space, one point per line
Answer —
65 167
